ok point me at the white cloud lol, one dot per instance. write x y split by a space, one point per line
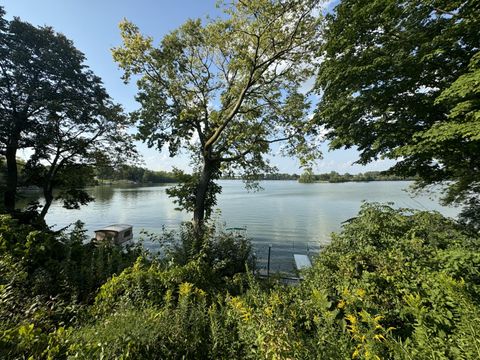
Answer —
307 85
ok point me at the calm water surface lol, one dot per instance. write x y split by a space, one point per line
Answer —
290 216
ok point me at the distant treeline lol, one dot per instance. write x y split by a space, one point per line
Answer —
142 175
278 176
334 177
135 174
128 173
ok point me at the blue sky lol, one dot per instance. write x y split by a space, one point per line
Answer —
93 27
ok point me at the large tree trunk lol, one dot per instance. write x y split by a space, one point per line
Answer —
48 186
201 196
12 177
202 201
48 195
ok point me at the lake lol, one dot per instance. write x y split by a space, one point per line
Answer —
289 216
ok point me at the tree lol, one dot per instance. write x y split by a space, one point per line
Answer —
396 83
41 73
87 133
51 102
456 142
225 90
307 177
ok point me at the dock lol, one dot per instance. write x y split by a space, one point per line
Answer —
302 261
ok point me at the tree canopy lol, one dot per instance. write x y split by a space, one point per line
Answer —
52 102
225 90
400 80
88 133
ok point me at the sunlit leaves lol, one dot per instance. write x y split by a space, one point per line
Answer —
400 80
225 90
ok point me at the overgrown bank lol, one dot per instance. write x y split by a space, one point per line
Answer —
392 285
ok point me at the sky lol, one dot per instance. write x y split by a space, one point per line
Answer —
93 27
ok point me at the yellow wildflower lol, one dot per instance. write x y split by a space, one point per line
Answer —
352 318
200 293
356 353
379 337
361 293
185 289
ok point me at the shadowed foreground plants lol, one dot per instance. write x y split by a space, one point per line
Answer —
393 284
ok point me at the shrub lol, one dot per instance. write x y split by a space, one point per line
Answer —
46 279
416 272
393 284
177 329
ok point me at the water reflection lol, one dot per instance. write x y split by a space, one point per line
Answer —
102 194
292 217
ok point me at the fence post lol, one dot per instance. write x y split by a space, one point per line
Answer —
268 261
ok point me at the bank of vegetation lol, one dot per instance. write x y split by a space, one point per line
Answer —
397 79
264 177
332 177
133 174
335 177
392 284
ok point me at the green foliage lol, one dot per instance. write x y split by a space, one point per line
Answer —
454 140
175 331
334 177
399 79
225 90
180 300
51 102
45 278
184 196
135 174
307 177
145 285
393 284
418 273
61 264
229 254
226 253
470 214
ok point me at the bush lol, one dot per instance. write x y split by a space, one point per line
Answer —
46 279
221 263
177 329
416 273
393 284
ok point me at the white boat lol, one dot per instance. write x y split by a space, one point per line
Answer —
117 234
